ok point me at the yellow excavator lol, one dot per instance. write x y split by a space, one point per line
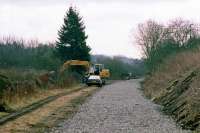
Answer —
90 69
102 72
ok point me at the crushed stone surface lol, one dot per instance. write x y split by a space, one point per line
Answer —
119 108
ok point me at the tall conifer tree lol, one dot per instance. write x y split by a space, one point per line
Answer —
71 44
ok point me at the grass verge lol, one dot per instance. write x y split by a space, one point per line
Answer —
49 115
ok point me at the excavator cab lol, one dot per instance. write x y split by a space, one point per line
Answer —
102 72
98 68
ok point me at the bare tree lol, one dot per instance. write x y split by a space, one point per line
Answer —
152 34
182 30
159 41
149 36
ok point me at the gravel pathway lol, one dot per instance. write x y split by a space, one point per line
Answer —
119 108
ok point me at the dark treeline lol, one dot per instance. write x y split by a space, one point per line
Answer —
119 65
20 54
159 41
15 53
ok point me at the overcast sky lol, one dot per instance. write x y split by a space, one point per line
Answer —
110 24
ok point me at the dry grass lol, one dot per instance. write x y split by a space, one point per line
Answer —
17 74
23 85
41 115
20 100
25 91
175 69
172 69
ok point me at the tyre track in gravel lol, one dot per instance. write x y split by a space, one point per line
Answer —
119 108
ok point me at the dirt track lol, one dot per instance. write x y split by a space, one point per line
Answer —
119 108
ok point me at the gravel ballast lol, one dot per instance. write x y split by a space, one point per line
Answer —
119 108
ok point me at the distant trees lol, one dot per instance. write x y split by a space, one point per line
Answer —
71 42
18 53
119 65
159 41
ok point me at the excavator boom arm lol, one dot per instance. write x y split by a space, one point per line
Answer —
67 64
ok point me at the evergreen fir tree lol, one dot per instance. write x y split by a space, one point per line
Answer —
71 44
